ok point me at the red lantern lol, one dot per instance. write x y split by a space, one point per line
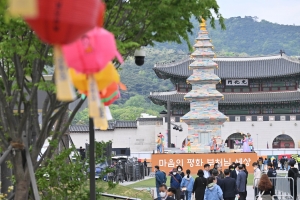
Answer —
63 21
101 16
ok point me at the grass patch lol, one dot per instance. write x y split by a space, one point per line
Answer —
150 183
122 191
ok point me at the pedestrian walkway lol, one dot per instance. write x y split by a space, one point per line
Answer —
250 191
125 183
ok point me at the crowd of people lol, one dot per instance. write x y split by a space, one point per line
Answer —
216 184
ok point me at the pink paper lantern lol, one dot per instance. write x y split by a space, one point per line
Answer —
92 52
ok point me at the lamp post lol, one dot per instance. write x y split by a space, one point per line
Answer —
92 160
176 140
129 142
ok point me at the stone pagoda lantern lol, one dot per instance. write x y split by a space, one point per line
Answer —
204 119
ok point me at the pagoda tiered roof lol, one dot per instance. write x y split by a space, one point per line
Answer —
175 97
249 67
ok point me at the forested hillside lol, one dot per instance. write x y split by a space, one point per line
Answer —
242 37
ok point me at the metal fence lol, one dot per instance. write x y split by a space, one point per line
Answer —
282 187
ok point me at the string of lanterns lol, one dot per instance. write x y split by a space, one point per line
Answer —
83 50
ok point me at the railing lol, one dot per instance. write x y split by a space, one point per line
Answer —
117 197
282 187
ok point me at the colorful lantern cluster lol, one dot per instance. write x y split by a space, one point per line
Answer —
83 50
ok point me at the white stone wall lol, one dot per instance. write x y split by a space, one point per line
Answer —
264 132
144 137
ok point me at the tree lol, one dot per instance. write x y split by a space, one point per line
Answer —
22 64
137 23
81 117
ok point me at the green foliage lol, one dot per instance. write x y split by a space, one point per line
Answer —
255 38
61 179
82 117
141 23
130 110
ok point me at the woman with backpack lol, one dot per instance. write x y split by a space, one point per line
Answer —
265 188
187 184
293 173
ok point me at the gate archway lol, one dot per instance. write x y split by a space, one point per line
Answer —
283 141
234 140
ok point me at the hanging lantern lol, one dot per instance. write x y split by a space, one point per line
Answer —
62 22
92 52
103 78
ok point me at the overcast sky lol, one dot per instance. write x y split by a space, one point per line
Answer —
277 11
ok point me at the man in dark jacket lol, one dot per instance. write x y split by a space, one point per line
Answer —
241 183
229 186
160 179
272 175
235 172
175 182
215 173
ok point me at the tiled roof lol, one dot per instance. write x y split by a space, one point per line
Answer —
252 67
156 119
111 126
231 98
126 124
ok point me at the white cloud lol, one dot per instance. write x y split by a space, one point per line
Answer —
277 11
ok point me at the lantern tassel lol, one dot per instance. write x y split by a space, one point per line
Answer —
101 121
65 90
93 98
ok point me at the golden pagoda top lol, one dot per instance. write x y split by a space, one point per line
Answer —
203 25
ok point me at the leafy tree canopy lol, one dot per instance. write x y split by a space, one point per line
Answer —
23 59
140 23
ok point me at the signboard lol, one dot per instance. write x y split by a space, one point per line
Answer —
194 162
237 82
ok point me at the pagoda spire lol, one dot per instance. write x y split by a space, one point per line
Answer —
204 119
203 25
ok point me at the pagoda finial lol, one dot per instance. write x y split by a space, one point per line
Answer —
203 25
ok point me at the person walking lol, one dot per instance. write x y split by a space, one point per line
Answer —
298 161
241 183
257 175
181 173
265 188
275 164
234 173
199 185
160 179
206 171
282 163
175 182
166 194
213 191
229 186
245 170
221 174
272 174
265 164
187 185
293 173
219 182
